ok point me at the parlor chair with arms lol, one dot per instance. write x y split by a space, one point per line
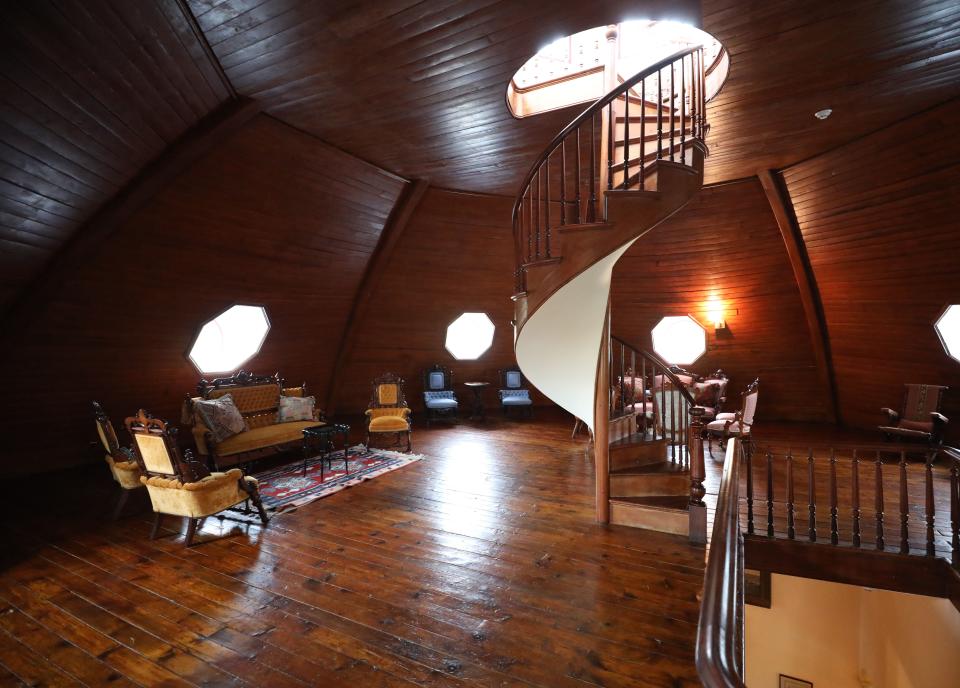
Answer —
180 486
710 393
123 466
439 398
388 412
920 418
512 392
738 424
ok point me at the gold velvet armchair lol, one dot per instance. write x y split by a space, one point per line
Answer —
123 466
388 412
180 486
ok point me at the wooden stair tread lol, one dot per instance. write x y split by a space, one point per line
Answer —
668 503
583 226
662 468
633 439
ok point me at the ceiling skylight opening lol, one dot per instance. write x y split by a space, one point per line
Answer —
229 340
573 70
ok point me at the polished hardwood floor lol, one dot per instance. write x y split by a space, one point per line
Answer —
480 565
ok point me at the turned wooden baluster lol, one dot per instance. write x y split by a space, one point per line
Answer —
683 110
626 139
769 494
643 127
834 516
955 509
811 497
855 497
904 506
576 172
547 209
563 182
791 530
659 102
611 129
592 203
673 93
749 453
697 509
536 224
930 506
878 506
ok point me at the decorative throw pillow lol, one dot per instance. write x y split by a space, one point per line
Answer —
221 416
296 408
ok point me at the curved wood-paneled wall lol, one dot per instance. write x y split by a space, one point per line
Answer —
726 244
455 256
92 91
879 219
272 216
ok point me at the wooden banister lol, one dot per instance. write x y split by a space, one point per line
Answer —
720 652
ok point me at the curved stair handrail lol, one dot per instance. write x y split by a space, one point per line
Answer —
661 364
685 79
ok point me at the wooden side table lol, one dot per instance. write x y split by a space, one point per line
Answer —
477 389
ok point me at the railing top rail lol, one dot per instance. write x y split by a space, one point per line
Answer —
591 110
776 446
717 635
660 362
951 452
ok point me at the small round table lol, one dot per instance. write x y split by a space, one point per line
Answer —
324 436
477 389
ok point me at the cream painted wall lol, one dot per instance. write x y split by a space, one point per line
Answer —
908 641
842 636
811 632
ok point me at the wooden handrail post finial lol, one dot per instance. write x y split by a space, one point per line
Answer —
697 508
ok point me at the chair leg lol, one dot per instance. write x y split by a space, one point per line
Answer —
257 502
121 502
191 531
157 520
409 441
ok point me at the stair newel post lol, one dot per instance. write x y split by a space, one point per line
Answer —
811 497
791 524
698 510
904 507
563 182
592 201
749 452
769 494
601 424
930 505
694 104
608 137
855 497
878 502
546 224
659 102
955 510
702 78
683 110
834 520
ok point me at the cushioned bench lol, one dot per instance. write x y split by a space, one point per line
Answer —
258 398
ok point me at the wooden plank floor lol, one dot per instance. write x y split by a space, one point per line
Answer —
479 566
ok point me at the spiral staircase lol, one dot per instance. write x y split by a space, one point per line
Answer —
628 162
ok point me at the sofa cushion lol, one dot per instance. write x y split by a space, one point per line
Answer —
388 424
221 416
267 436
441 403
296 408
514 400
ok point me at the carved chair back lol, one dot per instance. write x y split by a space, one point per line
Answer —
108 436
437 379
388 392
919 401
156 451
749 406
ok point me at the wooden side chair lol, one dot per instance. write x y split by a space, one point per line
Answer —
438 396
180 486
513 393
123 466
919 419
388 412
738 424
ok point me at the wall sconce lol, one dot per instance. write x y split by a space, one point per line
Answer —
715 314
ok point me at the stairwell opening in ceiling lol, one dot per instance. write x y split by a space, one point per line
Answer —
581 68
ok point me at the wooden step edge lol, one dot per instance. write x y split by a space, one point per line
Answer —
678 504
637 439
584 226
542 262
633 512
666 468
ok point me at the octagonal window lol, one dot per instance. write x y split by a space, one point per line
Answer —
469 336
948 329
230 339
679 339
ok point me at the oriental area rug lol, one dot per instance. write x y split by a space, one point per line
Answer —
286 487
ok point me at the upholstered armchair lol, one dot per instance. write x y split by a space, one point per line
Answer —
738 424
920 418
388 412
438 396
513 394
180 486
120 460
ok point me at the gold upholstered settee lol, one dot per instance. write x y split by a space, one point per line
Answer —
258 398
